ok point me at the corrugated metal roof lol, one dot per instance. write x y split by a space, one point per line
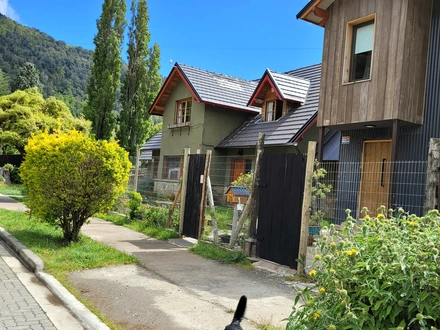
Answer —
146 155
288 127
239 191
153 143
292 88
220 89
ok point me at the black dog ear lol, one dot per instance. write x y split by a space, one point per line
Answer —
238 315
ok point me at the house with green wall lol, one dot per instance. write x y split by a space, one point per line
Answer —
204 110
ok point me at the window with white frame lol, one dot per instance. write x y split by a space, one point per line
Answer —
183 111
274 110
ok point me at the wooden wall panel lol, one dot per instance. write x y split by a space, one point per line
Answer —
397 85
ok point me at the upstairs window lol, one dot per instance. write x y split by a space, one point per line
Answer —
359 49
183 111
274 110
362 50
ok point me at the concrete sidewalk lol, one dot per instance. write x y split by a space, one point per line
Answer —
177 289
173 288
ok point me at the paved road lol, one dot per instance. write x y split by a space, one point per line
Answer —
25 303
18 309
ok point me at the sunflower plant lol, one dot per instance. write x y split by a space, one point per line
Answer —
379 272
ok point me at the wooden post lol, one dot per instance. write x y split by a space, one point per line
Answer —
183 191
393 167
432 174
251 202
203 201
253 213
321 136
170 213
307 201
136 170
212 207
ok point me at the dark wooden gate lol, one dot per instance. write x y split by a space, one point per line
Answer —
191 217
280 205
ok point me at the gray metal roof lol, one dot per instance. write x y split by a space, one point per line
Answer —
291 88
146 155
288 127
153 143
220 89
239 191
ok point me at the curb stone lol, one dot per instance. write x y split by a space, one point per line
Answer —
89 320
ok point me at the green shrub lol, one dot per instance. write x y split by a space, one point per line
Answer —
244 180
158 216
379 273
134 204
68 177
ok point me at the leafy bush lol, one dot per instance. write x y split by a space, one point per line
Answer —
158 216
134 204
68 177
379 273
14 173
244 180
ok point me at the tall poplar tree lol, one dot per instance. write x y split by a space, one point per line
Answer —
106 69
142 82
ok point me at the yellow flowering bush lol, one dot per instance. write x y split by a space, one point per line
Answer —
68 177
379 272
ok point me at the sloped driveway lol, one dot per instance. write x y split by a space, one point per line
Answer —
176 289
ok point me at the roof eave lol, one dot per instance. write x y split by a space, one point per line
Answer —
313 8
267 77
159 110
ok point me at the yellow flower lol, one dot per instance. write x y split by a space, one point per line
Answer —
352 252
321 291
380 216
317 256
312 272
332 244
331 327
316 316
332 270
367 217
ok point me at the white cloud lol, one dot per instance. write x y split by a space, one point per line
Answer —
7 10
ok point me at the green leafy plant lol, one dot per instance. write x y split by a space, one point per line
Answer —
244 180
377 273
319 190
68 177
134 204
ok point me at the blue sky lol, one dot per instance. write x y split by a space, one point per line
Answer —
240 38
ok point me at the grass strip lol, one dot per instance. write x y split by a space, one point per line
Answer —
143 227
221 254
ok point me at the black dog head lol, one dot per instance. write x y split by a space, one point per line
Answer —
238 315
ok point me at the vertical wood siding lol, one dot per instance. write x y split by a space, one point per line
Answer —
398 72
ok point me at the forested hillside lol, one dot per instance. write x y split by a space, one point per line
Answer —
64 70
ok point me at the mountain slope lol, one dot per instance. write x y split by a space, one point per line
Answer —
64 70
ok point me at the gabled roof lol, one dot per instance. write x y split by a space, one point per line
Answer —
285 86
289 127
316 11
238 191
207 87
153 143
